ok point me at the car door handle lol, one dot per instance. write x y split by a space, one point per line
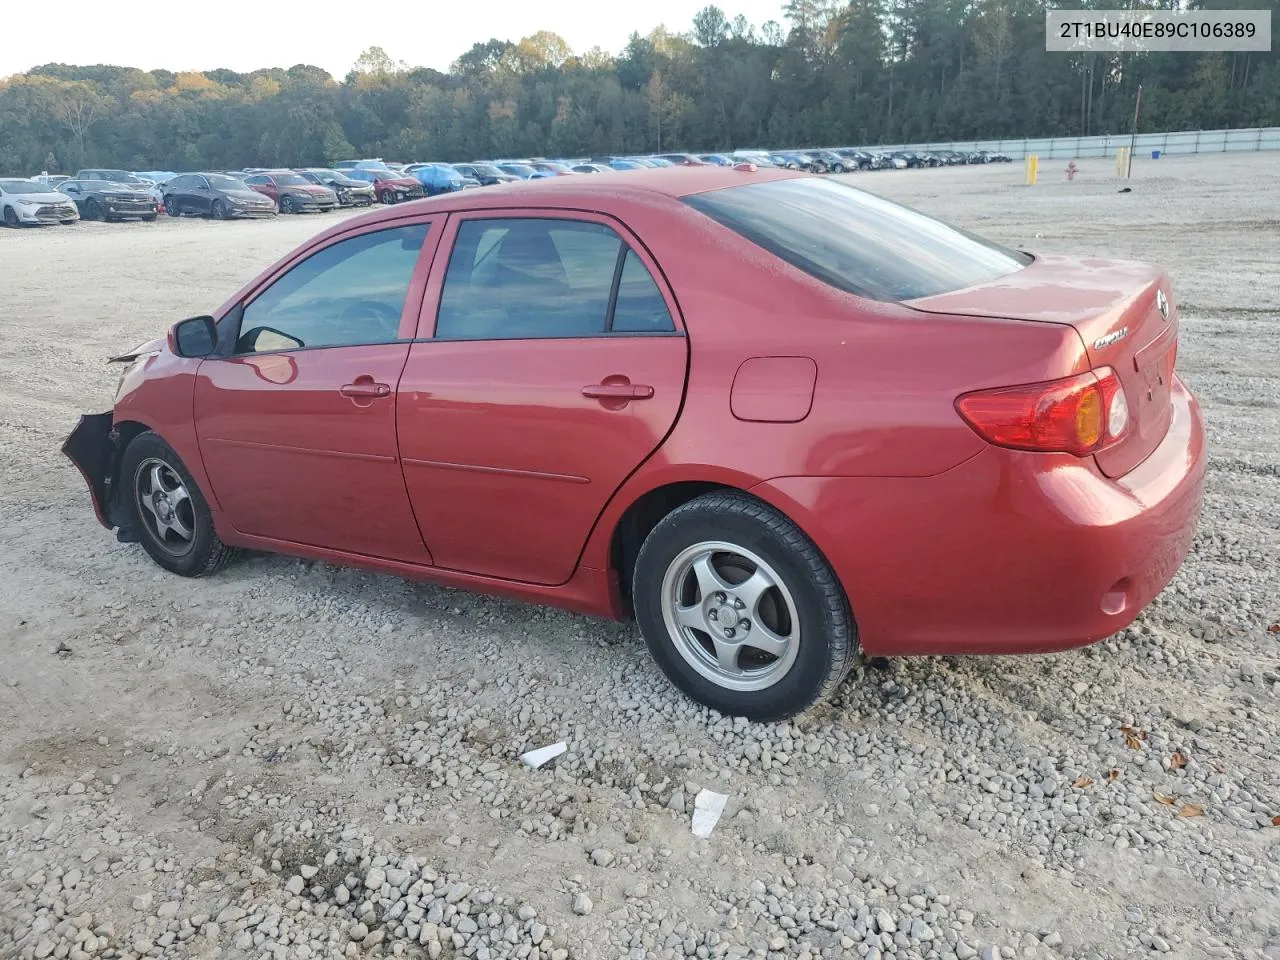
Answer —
618 391
365 388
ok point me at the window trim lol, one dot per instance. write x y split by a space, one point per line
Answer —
231 318
426 331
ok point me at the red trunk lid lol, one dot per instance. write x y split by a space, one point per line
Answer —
1124 313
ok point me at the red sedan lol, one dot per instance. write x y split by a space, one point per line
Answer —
776 419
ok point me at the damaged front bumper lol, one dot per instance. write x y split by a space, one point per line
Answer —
93 446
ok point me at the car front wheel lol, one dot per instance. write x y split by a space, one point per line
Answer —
171 207
741 610
168 510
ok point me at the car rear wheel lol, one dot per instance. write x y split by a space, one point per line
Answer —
168 509
741 610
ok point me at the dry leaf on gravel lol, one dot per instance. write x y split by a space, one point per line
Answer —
1178 761
1274 628
1133 738
1083 782
1191 810
1113 775
1164 798
1275 821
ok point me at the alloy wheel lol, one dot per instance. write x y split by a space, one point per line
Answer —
730 616
165 506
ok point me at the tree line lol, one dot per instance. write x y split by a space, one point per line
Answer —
829 74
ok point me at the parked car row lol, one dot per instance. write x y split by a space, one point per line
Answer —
106 194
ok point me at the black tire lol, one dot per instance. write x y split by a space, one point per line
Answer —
171 207
826 647
202 553
218 210
11 217
287 204
386 197
93 210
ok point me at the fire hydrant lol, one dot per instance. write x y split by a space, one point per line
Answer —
1071 170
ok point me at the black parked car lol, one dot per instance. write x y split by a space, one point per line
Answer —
104 200
856 159
215 195
351 193
832 161
486 174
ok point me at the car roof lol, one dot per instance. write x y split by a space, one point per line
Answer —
602 194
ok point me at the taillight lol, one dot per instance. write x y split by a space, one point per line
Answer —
1079 415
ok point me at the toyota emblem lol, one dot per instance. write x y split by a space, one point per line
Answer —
1162 302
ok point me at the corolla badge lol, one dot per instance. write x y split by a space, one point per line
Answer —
1162 304
1110 338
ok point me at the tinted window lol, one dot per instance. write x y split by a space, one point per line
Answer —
349 293
519 279
640 307
258 180
856 241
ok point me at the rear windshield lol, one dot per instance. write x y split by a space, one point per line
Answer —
856 241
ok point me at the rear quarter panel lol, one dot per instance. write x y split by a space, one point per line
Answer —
887 376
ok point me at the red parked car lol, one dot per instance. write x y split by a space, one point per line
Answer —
776 419
292 192
388 186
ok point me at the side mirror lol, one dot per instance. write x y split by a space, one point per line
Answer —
195 337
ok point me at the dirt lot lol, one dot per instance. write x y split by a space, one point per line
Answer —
296 760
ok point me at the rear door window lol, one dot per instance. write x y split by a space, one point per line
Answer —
856 241
528 278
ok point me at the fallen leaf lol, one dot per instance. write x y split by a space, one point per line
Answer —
1167 800
1274 628
1083 782
1191 810
1178 761
1275 821
1133 738
1113 775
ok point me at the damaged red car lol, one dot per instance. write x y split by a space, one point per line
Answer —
777 420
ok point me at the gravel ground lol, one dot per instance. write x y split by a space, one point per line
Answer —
294 760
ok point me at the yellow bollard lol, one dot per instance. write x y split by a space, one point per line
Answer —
1033 169
1122 162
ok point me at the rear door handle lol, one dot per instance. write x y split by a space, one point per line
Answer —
365 387
618 391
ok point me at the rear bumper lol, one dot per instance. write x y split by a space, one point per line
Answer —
1008 552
